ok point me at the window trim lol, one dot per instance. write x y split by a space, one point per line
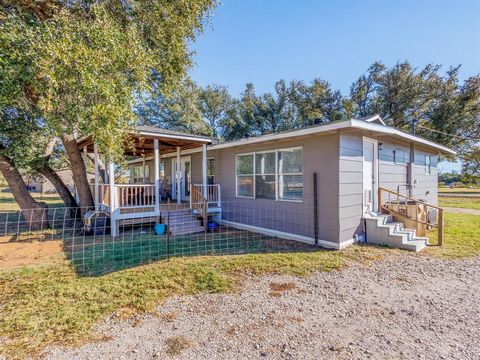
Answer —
428 166
208 159
277 197
253 175
295 174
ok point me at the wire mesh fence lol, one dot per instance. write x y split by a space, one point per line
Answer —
143 236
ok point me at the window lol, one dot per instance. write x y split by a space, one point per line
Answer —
265 174
138 174
211 171
400 156
428 165
245 175
273 174
290 174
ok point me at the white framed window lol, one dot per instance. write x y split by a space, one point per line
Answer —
428 165
210 171
245 175
138 176
265 175
290 174
272 174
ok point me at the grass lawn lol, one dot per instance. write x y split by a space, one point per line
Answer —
50 303
459 202
459 191
8 203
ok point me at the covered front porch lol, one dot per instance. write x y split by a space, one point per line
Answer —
148 197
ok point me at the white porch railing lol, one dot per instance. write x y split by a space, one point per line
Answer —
212 193
127 195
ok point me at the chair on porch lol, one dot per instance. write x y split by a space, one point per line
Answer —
166 189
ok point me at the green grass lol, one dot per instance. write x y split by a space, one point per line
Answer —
461 237
459 191
459 202
52 304
8 203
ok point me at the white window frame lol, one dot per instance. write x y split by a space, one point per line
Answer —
293 174
236 175
277 198
428 165
208 159
274 174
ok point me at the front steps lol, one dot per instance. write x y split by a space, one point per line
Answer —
382 230
182 222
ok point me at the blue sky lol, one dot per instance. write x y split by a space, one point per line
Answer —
262 41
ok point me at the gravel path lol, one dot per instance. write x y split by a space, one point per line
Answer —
404 307
462 211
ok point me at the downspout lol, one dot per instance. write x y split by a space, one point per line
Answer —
315 208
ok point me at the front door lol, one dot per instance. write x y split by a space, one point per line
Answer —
369 175
185 176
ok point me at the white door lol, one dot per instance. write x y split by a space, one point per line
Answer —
369 175
185 176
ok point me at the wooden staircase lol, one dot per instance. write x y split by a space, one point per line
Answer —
182 222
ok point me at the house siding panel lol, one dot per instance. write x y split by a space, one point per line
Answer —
292 217
350 185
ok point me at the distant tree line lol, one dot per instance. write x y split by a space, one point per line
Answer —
447 110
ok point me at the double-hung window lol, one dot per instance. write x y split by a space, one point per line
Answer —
211 171
245 175
265 175
138 174
428 165
290 174
273 174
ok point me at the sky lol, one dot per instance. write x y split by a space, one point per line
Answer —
263 41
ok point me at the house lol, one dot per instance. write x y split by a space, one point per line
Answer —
42 185
320 185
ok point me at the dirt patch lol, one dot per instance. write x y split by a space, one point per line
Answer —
15 254
175 345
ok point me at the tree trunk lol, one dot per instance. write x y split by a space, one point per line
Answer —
79 173
35 213
61 189
102 169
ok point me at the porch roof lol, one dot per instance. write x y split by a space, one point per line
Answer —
141 141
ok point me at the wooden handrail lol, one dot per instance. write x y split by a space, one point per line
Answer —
383 207
409 198
199 202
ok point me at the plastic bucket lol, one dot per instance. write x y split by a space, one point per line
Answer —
160 229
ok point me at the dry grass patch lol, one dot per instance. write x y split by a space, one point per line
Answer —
176 344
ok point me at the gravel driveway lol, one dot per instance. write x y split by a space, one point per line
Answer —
403 307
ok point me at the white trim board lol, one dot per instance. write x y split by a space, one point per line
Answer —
289 236
353 123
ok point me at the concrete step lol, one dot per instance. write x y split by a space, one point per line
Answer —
382 230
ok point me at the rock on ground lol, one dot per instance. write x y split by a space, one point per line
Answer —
403 307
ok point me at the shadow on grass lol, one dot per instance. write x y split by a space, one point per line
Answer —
93 256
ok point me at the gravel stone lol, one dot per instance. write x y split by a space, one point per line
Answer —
403 307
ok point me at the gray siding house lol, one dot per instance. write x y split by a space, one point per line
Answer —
314 185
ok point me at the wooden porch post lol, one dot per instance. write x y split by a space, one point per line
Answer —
95 161
156 153
113 199
178 174
204 169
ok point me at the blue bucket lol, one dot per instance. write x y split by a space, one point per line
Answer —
160 229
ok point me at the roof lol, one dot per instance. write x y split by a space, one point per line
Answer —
151 130
143 141
374 124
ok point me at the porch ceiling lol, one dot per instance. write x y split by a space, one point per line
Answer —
141 142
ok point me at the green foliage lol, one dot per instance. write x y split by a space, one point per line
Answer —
79 65
471 164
